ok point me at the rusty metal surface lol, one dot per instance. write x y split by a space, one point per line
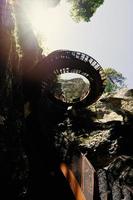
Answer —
80 175
87 181
73 183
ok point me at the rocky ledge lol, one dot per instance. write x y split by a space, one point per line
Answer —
107 142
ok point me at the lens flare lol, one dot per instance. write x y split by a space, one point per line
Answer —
45 21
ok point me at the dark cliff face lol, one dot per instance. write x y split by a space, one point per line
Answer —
13 159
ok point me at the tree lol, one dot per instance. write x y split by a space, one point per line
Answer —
83 10
115 80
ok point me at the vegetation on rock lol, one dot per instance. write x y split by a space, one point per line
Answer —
115 80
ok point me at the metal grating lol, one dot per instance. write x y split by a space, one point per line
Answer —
65 61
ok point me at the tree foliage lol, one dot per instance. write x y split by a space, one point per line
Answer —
115 80
83 10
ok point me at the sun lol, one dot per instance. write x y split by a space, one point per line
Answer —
39 16
44 20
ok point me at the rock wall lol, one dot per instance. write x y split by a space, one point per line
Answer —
109 144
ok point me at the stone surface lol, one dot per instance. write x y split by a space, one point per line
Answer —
115 106
104 133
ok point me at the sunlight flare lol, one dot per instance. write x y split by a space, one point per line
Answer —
45 21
